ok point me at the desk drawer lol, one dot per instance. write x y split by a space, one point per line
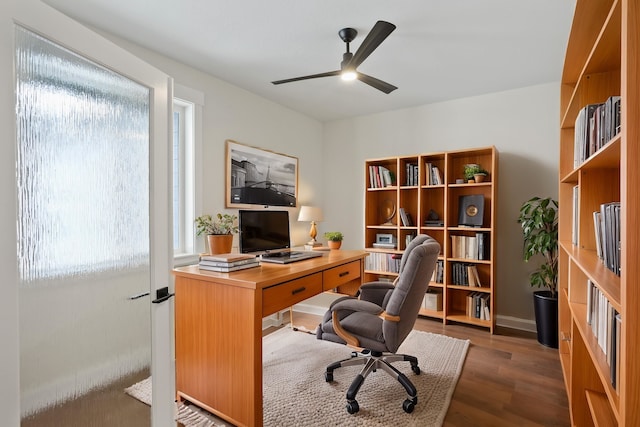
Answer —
340 275
285 295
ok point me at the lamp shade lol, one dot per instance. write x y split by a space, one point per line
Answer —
310 213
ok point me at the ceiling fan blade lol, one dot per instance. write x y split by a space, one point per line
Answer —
376 83
312 76
377 35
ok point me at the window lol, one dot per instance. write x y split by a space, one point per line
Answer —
182 177
187 110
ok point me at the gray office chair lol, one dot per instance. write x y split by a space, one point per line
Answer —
379 320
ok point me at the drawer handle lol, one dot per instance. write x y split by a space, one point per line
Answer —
297 291
344 273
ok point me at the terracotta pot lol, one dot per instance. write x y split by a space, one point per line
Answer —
220 243
334 244
479 178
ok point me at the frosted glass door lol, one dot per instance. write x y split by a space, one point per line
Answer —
83 178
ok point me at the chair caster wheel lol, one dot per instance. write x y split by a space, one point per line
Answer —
328 376
408 406
415 369
352 407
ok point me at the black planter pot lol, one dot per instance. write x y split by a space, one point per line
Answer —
546 311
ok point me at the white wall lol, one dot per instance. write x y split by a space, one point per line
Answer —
523 125
233 113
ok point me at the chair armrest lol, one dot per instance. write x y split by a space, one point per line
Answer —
353 304
375 292
350 304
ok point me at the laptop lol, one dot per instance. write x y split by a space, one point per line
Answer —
289 257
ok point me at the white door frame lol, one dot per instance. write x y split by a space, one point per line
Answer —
52 24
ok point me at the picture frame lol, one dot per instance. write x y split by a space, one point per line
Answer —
259 177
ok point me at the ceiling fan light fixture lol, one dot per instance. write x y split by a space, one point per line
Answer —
351 61
348 75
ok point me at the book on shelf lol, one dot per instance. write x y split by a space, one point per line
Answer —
385 262
597 228
384 245
438 272
408 238
478 306
470 247
433 174
607 235
615 371
576 215
465 274
229 269
595 125
405 217
380 177
605 323
412 174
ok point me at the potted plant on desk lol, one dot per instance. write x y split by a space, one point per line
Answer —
219 231
539 221
334 239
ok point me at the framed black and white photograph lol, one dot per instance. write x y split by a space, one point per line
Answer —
259 177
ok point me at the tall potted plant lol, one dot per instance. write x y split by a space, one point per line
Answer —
539 221
219 231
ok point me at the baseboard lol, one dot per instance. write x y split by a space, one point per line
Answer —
516 323
310 309
275 320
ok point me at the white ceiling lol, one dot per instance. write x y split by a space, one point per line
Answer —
441 49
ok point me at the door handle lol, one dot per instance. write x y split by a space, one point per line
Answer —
144 294
162 295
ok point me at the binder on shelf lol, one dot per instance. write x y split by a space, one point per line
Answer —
470 210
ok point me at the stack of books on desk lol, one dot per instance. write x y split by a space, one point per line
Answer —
226 263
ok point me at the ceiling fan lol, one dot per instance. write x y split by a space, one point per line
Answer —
351 61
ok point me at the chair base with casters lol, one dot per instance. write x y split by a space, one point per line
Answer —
372 362
379 320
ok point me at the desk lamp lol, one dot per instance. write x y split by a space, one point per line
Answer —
311 214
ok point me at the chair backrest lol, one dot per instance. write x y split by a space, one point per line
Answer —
416 268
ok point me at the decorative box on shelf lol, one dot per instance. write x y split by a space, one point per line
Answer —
433 300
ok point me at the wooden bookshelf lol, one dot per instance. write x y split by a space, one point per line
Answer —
420 193
601 61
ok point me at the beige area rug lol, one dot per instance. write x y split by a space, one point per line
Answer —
141 391
296 394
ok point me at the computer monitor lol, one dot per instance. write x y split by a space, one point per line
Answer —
263 231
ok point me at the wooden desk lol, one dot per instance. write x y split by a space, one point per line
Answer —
218 326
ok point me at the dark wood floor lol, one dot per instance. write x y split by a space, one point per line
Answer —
508 379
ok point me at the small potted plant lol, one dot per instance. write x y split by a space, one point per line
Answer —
474 173
219 231
539 221
334 239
